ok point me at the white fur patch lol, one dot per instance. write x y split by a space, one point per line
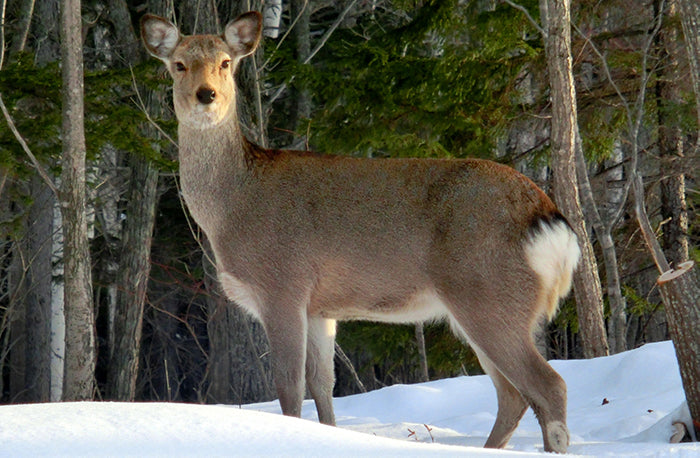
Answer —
425 305
558 436
240 293
232 38
553 252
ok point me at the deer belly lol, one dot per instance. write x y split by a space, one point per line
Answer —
423 305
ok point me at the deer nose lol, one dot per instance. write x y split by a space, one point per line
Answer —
206 95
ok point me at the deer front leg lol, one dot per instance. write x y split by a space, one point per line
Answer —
286 331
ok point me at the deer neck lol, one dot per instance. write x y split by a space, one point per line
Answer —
212 163
218 146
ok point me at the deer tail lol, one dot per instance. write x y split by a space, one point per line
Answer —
552 251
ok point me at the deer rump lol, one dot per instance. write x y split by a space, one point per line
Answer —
302 240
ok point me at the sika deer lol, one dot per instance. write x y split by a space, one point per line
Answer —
302 240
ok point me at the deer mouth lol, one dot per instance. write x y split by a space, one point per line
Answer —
203 116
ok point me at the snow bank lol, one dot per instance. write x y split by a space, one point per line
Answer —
622 405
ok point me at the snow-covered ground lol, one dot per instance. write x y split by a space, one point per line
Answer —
622 405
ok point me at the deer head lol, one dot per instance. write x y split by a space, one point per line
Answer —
202 66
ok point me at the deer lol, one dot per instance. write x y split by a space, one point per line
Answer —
302 240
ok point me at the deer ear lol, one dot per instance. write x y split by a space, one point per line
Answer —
243 34
159 35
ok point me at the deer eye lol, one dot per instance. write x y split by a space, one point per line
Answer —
180 67
225 64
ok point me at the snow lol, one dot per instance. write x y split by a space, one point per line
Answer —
450 417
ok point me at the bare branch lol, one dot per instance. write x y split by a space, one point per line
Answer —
528 16
286 34
142 106
26 149
635 114
318 47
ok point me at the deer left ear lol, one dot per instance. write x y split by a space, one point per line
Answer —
243 33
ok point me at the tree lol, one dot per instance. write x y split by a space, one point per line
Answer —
690 19
672 144
589 302
80 322
681 288
134 263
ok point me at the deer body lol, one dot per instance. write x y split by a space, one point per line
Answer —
302 240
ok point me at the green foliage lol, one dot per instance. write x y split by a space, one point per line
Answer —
379 343
599 131
636 304
392 350
112 116
448 356
32 96
116 115
440 84
567 317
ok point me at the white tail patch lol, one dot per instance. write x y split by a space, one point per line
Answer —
553 252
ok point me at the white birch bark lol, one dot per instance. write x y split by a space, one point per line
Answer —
272 16
57 318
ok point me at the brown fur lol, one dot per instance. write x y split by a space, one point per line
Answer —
302 240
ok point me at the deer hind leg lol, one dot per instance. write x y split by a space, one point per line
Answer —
320 349
511 405
507 346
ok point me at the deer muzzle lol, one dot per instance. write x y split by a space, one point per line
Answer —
206 95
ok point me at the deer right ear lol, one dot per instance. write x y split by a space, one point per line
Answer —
243 34
159 35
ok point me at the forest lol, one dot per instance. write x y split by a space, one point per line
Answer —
618 150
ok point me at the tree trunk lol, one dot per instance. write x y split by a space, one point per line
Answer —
57 317
674 211
38 296
236 371
132 279
690 20
78 382
589 300
424 376
272 17
301 12
24 22
680 289
46 42
617 324
135 260
31 299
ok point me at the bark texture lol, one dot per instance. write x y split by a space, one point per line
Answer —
236 367
674 209
135 262
78 382
690 19
133 279
589 298
680 290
